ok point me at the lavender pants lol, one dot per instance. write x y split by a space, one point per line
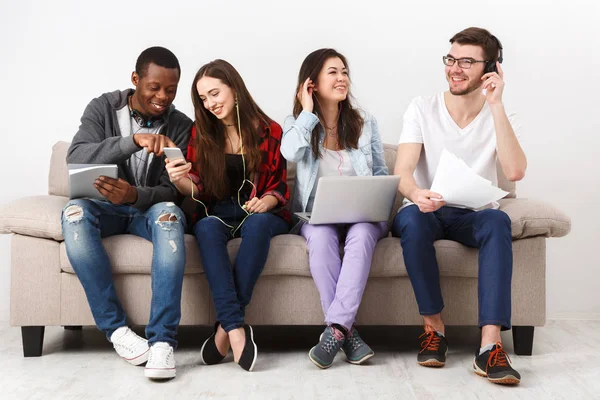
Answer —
341 283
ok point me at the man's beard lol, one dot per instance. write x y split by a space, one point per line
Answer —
471 88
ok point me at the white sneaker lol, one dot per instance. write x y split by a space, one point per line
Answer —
130 346
161 364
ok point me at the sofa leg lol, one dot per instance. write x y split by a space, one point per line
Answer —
33 340
73 328
523 340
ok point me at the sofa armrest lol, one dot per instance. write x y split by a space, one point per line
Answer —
38 216
535 218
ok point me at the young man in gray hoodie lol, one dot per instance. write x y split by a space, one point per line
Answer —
130 128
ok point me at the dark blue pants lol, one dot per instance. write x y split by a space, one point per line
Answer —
231 286
488 230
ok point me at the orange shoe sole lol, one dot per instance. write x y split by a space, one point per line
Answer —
507 380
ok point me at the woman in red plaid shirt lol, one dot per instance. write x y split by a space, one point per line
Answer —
238 177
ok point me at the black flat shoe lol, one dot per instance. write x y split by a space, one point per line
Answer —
250 353
209 353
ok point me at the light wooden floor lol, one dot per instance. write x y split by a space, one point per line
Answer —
82 365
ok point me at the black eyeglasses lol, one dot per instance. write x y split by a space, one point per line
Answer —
464 63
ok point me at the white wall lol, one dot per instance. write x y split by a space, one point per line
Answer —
56 56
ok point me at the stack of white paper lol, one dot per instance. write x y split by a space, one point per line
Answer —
459 185
83 176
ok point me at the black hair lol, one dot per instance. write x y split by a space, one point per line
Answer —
156 55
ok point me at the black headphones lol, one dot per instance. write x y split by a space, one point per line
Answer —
139 118
490 66
143 122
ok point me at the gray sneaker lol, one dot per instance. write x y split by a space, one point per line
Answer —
322 354
356 350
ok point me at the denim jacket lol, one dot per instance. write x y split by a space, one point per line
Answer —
367 160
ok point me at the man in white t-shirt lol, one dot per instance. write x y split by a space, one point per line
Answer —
468 120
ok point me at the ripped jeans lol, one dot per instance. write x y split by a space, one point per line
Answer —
85 222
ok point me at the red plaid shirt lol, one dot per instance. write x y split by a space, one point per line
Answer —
270 179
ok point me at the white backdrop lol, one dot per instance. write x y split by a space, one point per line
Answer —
56 56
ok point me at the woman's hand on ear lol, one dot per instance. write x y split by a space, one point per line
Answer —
304 95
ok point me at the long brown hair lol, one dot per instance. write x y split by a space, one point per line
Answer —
350 121
210 131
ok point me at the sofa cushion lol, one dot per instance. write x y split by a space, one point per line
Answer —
288 256
535 218
291 179
454 259
58 176
130 254
389 153
37 216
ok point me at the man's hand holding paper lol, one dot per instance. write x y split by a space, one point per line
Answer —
460 186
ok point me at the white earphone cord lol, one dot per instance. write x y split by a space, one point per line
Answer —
234 229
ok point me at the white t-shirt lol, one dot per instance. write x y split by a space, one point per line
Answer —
332 163
428 121
335 163
140 161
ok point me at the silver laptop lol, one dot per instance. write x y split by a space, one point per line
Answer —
351 199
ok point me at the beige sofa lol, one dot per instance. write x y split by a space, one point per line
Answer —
46 292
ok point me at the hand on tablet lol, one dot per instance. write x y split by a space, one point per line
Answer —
117 191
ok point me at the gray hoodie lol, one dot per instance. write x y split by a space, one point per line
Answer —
99 141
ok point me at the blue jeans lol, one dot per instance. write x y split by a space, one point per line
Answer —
231 286
488 230
85 222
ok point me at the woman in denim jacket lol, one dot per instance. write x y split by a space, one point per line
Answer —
328 136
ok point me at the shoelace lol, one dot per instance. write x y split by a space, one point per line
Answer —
498 357
160 352
353 340
432 341
129 340
330 343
